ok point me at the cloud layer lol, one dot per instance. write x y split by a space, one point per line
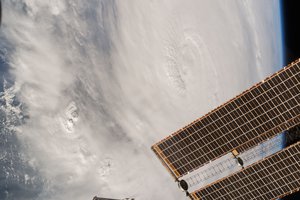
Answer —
103 80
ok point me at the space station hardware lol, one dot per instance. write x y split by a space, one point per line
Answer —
101 198
270 178
260 113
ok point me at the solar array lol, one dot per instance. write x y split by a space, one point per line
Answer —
271 178
261 112
228 164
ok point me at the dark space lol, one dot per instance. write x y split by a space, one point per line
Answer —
291 29
291 43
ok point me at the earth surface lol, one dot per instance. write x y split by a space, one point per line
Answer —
89 86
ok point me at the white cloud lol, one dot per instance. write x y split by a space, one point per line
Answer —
135 72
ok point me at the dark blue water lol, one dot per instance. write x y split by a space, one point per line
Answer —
18 180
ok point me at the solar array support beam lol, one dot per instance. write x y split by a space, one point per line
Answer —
273 177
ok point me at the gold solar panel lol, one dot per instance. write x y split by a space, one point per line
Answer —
261 112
